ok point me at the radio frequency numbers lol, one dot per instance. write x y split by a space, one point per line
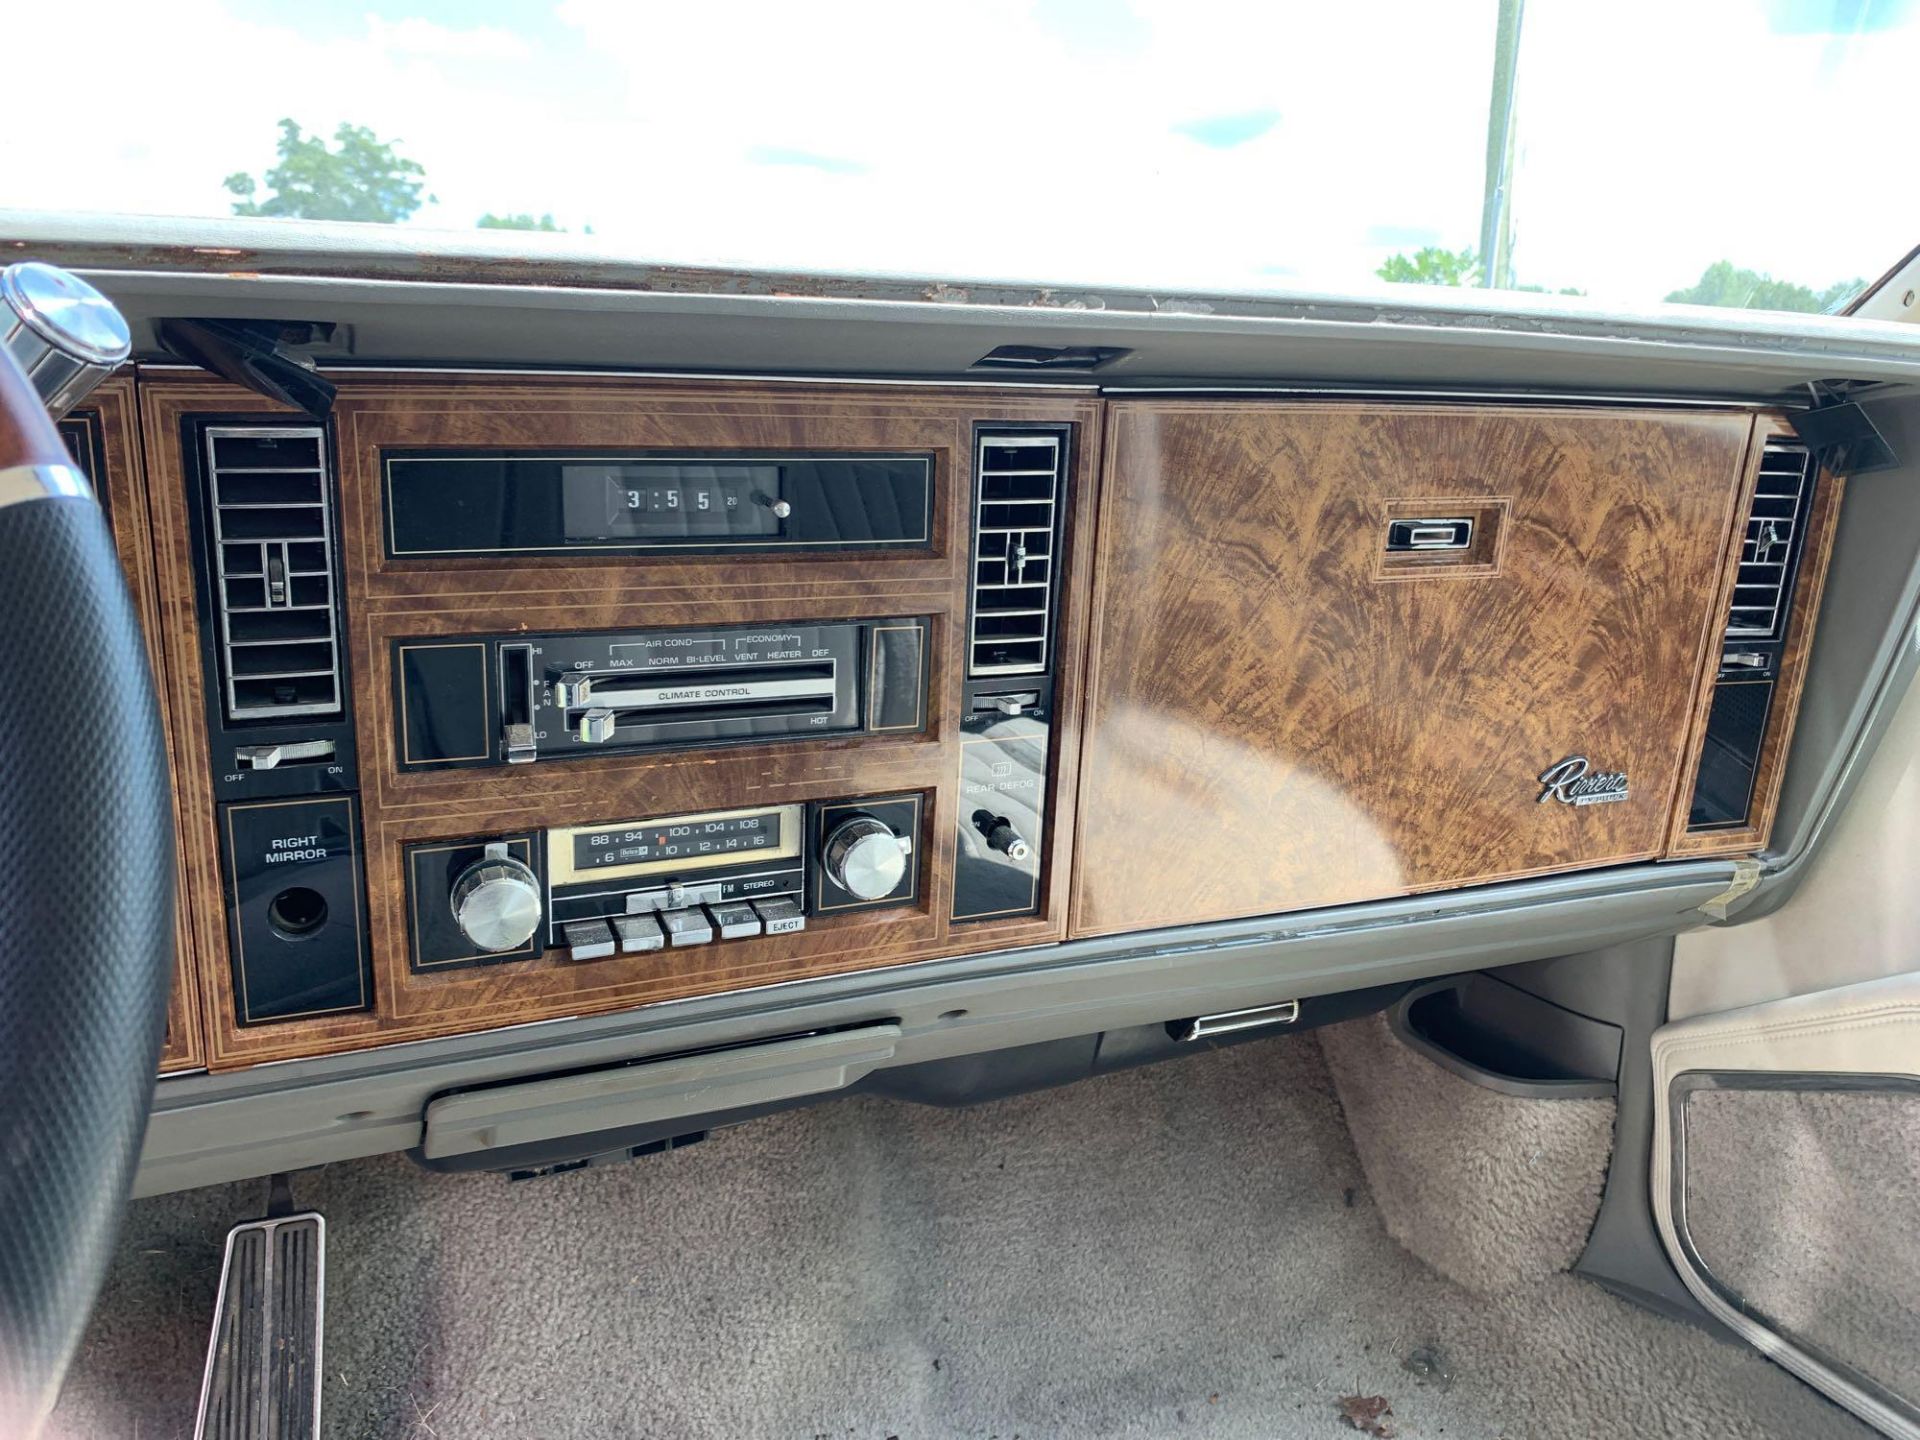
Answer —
644 844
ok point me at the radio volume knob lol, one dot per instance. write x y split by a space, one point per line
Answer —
865 858
496 901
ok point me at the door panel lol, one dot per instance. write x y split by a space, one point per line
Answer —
1779 1128
1786 1163
1799 1199
1857 917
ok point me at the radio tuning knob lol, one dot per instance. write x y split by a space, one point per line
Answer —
865 858
496 901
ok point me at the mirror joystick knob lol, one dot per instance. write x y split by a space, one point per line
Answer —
496 901
865 858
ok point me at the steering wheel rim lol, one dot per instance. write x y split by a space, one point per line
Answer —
86 901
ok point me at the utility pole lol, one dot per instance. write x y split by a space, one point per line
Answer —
1496 200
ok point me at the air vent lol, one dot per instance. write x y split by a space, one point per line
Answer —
1772 545
273 571
1016 531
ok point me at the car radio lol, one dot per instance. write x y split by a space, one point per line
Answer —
512 699
592 892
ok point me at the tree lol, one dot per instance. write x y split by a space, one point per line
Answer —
1433 265
1723 284
362 178
1437 266
491 221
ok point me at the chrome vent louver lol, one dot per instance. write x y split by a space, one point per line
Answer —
1017 479
273 570
1771 543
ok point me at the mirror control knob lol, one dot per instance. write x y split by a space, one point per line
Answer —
865 858
496 901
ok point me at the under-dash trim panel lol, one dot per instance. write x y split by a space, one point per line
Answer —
451 616
1271 728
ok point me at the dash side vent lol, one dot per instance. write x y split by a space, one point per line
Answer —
273 571
1728 775
1771 547
1017 483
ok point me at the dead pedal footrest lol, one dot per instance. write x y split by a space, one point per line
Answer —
262 1380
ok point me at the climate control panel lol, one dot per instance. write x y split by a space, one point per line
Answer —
635 887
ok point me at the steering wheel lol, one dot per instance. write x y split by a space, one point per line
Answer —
86 852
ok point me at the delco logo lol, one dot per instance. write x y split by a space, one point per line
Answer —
705 692
1574 781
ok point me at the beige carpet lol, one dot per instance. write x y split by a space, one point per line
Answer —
1513 1206
1186 1250
1805 1204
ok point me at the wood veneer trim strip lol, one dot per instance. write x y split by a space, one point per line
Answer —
124 484
1796 655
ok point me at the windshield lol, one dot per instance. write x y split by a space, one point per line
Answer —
1737 153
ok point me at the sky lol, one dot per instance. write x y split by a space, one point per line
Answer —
1237 144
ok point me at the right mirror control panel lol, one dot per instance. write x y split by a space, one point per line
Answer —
590 892
1003 799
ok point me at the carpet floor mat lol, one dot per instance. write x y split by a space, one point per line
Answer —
1189 1249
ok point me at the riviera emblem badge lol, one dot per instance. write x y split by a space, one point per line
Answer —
1574 781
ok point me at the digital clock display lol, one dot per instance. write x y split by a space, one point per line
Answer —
676 840
666 500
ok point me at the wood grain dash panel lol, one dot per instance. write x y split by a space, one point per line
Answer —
389 599
124 487
1270 727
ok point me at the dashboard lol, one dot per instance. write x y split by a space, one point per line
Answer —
507 698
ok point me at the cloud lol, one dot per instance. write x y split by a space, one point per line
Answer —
1402 237
414 36
1837 17
804 159
1223 132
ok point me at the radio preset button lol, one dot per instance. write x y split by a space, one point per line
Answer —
781 917
734 922
687 927
638 933
680 896
588 939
